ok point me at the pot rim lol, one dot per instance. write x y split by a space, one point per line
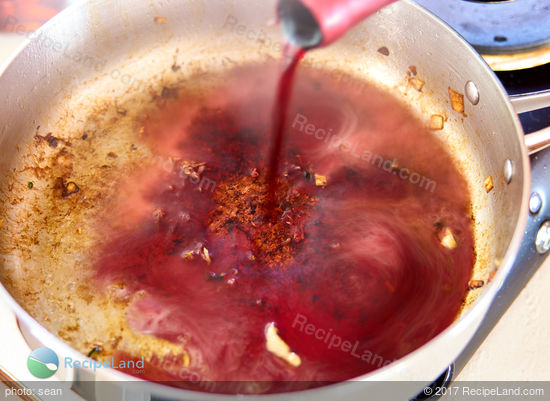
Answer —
474 313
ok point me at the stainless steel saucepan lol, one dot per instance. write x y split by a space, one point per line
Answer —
112 50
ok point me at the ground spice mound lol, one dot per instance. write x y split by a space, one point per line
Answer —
276 234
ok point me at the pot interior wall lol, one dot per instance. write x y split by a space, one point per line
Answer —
124 51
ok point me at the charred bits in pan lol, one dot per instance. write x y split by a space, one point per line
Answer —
66 189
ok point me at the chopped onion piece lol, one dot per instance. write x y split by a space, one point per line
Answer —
320 180
278 347
489 184
437 122
417 83
448 240
457 100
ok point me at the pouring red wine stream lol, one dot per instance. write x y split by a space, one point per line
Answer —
292 55
308 24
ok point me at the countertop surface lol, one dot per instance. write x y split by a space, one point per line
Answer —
517 349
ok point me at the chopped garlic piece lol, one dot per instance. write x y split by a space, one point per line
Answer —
437 122
448 240
320 180
278 347
489 184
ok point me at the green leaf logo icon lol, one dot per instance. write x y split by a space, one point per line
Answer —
42 363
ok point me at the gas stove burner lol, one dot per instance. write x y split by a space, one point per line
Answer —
497 27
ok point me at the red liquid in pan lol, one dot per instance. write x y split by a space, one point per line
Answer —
347 263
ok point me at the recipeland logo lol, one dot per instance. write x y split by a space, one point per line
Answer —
43 363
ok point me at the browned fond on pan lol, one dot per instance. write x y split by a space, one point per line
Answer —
48 237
